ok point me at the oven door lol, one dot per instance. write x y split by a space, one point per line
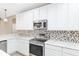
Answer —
36 50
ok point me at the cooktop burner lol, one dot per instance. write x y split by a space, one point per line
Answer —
40 40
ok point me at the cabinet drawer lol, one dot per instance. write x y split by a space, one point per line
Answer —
52 47
66 54
71 51
24 40
51 52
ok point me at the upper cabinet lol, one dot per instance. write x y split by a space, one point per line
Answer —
67 16
73 14
24 21
43 12
36 14
63 16
52 17
60 16
28 20
19 21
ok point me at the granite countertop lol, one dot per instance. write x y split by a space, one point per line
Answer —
24 37
6 36
63 44
9 36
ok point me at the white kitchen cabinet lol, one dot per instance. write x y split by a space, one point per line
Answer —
43 12
57 16
36 14
19 44
69 51
11 45
28 20
23 46
67 54
24 21
51 50
73 21
19 21
52 17
59 48
62 16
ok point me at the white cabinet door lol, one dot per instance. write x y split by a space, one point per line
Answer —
70 52
66 54
62 16
51 50
19 24
11 45
28 20
36 14
73 20
52 17
23 46
24 21
43 12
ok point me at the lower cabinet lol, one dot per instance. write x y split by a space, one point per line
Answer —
67 54
3 45
19 45
51 50
72 52
23 46
11 45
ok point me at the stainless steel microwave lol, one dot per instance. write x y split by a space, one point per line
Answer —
40 24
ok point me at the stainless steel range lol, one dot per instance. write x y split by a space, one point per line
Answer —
37 45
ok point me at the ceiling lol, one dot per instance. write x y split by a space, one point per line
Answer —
14 8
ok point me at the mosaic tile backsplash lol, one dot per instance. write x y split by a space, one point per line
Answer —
70 36
67 36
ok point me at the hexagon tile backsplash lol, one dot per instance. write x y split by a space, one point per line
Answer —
67 36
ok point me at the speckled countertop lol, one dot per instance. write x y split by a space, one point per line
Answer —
6 36
15 36
70 45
